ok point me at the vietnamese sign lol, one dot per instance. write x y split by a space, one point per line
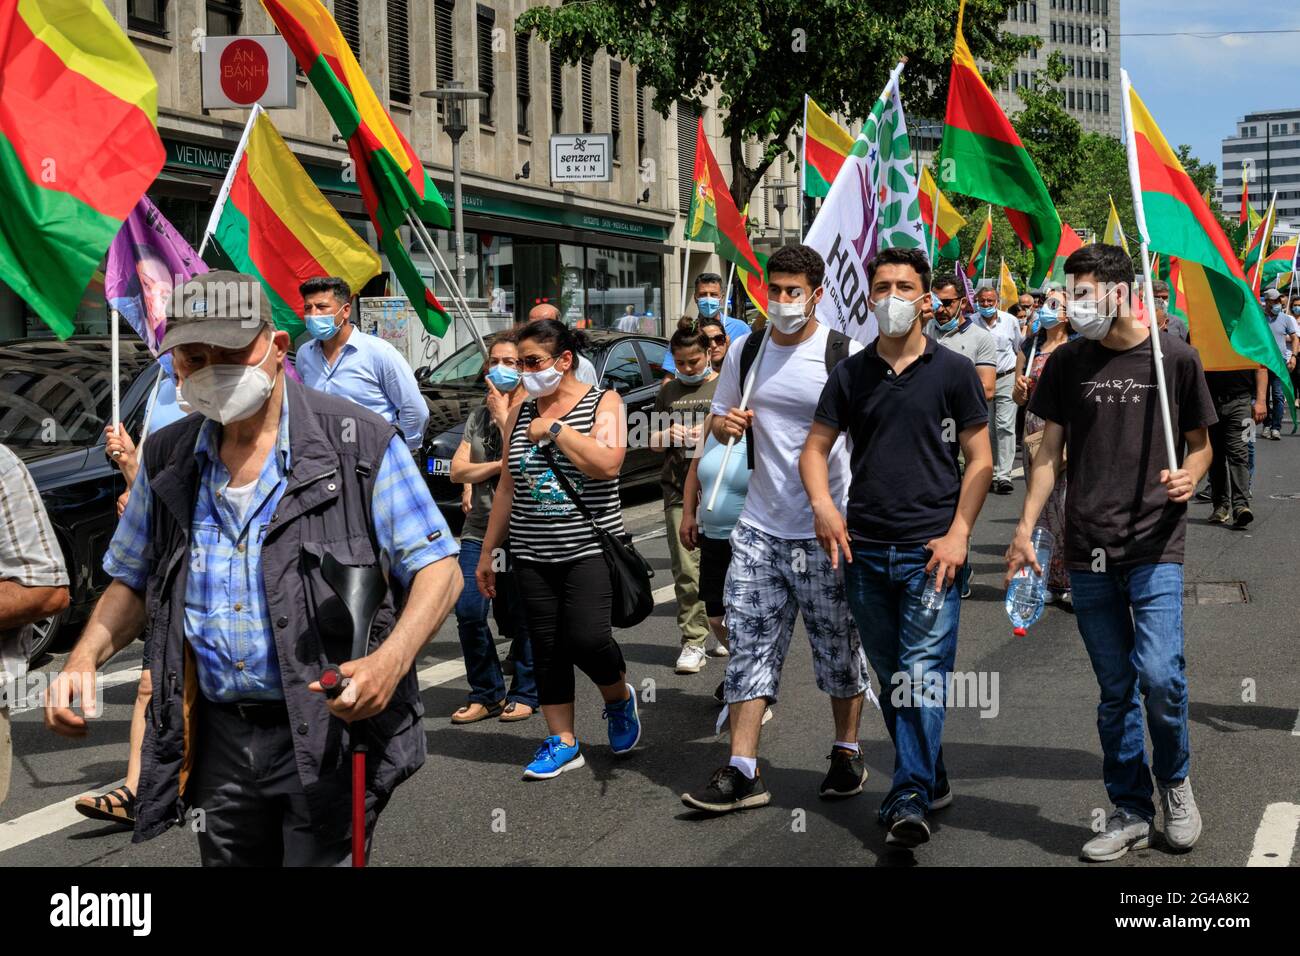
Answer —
241 71
581 158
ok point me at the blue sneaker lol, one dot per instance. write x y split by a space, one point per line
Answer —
553 758
624 724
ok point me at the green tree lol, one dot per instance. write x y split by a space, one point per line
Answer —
762 56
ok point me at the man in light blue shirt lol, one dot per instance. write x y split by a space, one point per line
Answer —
341 360
708 300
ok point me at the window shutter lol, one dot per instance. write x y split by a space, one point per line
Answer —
587 119
347 15
523 81
687 115
399 52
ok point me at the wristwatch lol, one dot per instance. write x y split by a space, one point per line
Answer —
553 432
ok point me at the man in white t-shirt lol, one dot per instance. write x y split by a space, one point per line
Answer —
1287 333
778 570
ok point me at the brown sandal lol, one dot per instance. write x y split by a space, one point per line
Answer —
473 712
116 806
515 711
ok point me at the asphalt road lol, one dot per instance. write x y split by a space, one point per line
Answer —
1027 779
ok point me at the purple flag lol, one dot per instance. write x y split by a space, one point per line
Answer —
147 260
966 286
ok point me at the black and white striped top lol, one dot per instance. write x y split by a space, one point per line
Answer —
544 524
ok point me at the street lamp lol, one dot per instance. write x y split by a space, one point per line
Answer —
453 97
780 206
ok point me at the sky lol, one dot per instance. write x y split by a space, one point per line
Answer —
1197 89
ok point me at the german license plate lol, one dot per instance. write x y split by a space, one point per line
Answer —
439 467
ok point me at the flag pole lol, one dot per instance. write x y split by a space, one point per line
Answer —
224 193
803 164
444 272
744 404
686 252
115 364
988 242
1149 302
1263 244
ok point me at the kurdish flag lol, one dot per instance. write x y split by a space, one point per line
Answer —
272 222
79 146
980 253
941 218
713 216
986 159
1250 262
1226 324
1070 242
1283 261
1114 233
825 144
755 283
392 179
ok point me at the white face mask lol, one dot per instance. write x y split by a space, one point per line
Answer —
230 393
787 317
538 384
1087 319
895 315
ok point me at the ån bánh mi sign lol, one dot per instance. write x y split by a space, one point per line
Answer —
581 158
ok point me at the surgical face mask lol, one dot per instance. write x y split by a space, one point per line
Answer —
788 317
503 377
1295 310
694 379
539 384
1047 317
1275 309
947 326
1087 319
895 315
322 327
935 302
988 311
230 393
709 306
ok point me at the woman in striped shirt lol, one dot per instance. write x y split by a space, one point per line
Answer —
557 559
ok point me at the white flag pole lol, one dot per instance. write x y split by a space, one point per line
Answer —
803 164
1263 242
115 367
224 192
1149 302
444 272
686 253
744 404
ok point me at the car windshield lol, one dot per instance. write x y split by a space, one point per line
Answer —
45 402
462 367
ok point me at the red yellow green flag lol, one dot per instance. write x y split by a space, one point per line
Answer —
389 173
272 222
1226 324
980 252
713 216
1070 241
1282 262
826 143
942 220
982 156
1008 294
79 146
1250 262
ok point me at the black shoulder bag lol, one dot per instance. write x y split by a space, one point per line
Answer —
629 574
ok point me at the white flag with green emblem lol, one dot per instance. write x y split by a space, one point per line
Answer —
894 173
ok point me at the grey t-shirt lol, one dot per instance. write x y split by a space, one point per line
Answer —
1177 328
969 339
484 445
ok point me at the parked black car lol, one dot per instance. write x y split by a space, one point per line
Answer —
55 399
630 363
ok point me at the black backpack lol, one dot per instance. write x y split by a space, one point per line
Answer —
837 349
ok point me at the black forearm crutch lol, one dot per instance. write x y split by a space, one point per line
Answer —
360 590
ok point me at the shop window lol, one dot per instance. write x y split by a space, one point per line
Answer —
148 16
224 17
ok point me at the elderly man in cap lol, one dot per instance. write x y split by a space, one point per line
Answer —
217 561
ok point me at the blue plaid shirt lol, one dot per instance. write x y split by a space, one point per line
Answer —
226 619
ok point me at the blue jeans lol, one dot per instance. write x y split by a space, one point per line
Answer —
904 642
1131 622
1278 396
482 666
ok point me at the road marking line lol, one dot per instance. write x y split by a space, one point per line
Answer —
1275 838
1295 731
61 815
42 822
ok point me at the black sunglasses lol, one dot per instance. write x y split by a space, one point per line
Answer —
717 339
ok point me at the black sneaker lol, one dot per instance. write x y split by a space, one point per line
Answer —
1242 517
943 799
728 790
907 826
847 774
718 694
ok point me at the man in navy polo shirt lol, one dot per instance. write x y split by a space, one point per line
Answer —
908 405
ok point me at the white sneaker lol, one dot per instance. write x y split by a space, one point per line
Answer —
690 660
719 650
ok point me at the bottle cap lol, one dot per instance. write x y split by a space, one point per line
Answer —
1019 631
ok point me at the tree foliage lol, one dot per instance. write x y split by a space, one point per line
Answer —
762 56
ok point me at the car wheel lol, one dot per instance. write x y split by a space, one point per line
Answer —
44 633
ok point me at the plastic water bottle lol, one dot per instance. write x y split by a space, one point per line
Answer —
1026 593
932 600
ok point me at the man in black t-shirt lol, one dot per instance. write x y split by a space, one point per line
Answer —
1126 519
908 404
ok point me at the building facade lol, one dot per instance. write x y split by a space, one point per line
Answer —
1266 145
